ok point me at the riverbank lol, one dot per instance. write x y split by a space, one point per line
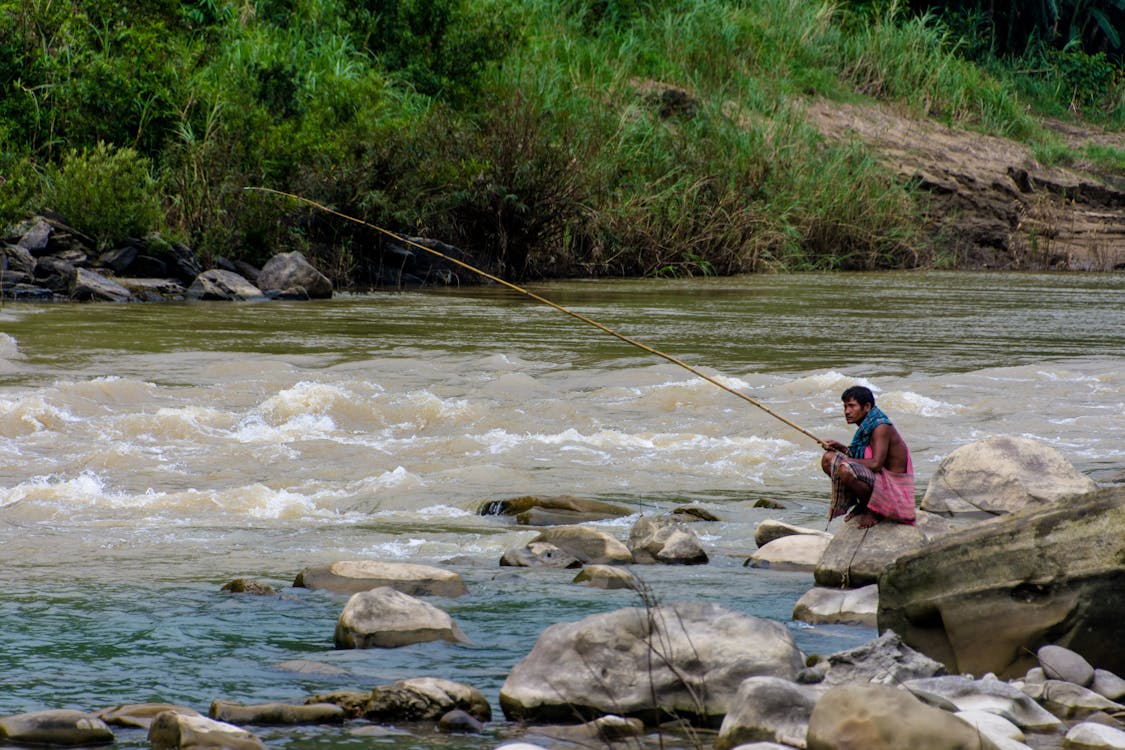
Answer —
989 202
552 140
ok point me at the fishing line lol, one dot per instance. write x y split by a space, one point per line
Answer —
549 303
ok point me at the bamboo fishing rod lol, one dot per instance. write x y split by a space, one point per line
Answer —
549 303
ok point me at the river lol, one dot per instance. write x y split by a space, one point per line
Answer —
150 453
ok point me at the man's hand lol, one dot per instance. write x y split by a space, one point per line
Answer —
834 445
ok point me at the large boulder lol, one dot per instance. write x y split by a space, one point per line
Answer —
386 618
985 599
291 275
19 260
855 557
92 286
683 660
60 727
665 539
217 284
34 235
353 576
879 717
1001 475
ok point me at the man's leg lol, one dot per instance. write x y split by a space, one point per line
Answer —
864 518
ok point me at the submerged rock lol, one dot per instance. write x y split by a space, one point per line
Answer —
602 731
174 731
140 715
62 727
353 576
536 554
424 699
277 713
665 539
586 544
534 510
607 577
248 586
459 722
386 618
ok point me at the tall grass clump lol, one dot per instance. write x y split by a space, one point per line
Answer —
703 163
914 59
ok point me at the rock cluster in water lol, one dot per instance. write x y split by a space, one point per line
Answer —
43 260
998 634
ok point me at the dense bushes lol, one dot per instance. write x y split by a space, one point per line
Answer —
105 193
546 137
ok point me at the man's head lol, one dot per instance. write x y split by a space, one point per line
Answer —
858 401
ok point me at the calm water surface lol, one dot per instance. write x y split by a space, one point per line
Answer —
150 453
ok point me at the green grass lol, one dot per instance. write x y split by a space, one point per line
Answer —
547 137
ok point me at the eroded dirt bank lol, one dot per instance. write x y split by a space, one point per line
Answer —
992 205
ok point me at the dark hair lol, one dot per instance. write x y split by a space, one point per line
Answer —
861 394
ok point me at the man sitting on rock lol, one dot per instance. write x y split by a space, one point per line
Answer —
873 477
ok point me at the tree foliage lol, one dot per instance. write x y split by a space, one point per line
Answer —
545 136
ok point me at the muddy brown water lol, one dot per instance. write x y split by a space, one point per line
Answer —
152 452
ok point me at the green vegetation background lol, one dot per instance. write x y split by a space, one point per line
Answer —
544 137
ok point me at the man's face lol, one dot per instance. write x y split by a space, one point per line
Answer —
855 413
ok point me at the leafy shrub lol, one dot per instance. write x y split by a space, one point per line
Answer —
107 193
19 185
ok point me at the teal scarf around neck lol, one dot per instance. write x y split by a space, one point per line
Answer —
862 437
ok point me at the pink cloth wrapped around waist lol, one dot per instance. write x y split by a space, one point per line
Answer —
892 495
